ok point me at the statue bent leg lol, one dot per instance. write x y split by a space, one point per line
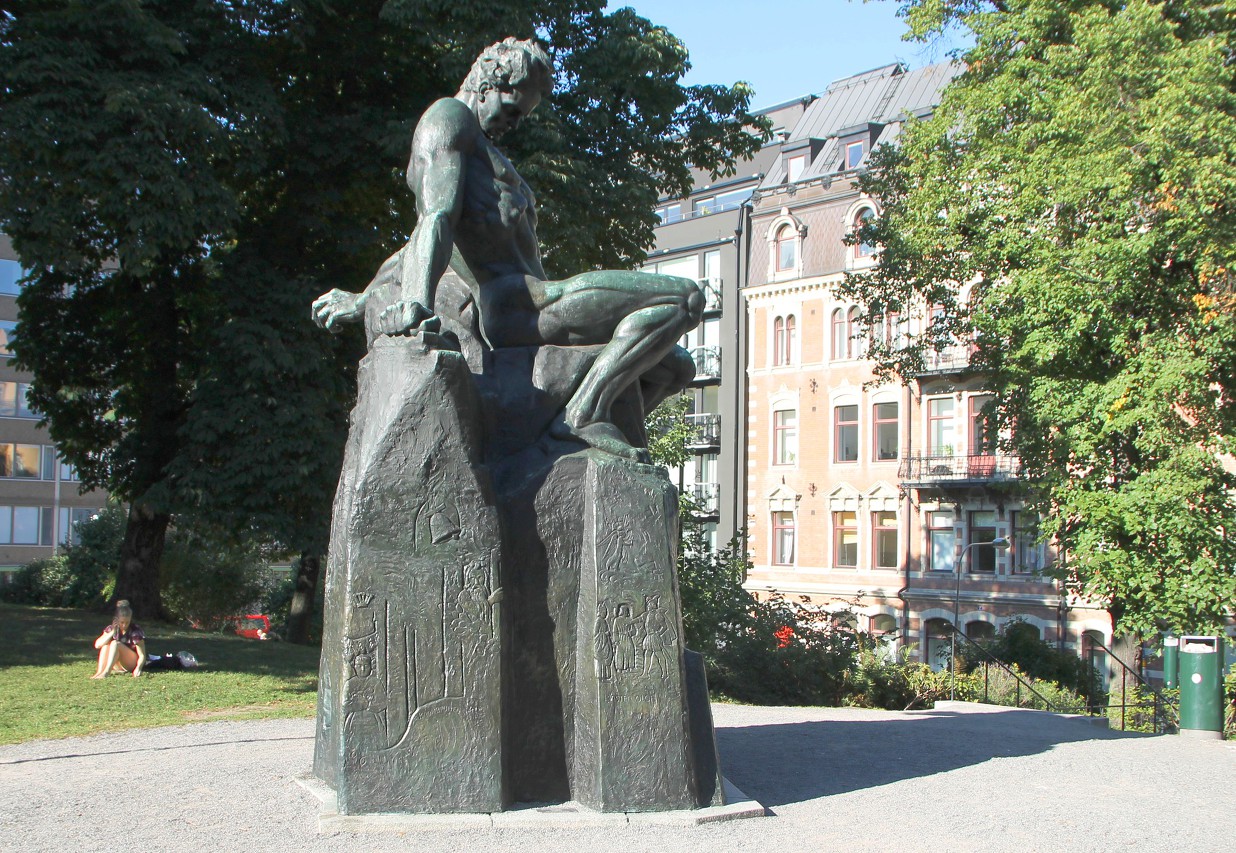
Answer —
639 317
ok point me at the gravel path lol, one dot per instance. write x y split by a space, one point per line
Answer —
960 778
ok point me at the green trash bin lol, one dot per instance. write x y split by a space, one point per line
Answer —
1201 687
1171 662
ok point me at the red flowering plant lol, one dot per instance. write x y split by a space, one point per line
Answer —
783 634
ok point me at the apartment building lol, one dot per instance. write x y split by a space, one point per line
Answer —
704 237
40 496
876 498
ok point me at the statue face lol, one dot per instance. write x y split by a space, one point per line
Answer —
501 110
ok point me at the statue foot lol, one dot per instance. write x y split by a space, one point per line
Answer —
602 436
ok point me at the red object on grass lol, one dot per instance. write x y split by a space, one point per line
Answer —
255 626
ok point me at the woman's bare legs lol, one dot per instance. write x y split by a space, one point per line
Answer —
112 654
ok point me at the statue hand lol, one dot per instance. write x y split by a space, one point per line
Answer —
403 317
332 310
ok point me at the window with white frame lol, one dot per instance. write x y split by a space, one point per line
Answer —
845 433
668 213
7 329
1027 551
25 525
884 540
785 437
941 541
795 166
983 528
71 520
885 432
845 540
785 332
853 154
783 538
941 428
863 248
785 247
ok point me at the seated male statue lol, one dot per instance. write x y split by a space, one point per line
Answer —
477 221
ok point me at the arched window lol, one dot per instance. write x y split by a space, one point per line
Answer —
785 247
778 341
839 334
863 249
791 330
853 346
978 630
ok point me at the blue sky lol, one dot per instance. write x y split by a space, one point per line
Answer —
787 48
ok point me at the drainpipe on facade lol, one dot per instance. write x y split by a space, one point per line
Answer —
742 254
908 504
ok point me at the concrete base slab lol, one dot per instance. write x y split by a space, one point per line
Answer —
562 816
1201 734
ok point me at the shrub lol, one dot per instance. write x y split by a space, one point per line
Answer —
206 580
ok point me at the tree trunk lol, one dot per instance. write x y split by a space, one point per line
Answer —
301 612
140 555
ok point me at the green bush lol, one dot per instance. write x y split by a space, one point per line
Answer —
205 580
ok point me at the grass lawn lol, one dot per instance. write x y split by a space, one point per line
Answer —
48 657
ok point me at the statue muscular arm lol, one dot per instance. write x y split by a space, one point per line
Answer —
444 136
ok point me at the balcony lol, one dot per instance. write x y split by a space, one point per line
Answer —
707 498
955 359
712 294
932 469
705 430
707 363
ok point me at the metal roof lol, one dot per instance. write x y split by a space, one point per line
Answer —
882 96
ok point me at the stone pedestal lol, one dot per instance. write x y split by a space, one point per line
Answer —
409 702
516 641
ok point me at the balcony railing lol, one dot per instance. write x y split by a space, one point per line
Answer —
705 430
707 497
707 363
712 293
954 359
932 469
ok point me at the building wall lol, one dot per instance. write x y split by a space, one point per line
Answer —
38 509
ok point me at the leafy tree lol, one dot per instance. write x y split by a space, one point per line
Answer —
183 178
1080 173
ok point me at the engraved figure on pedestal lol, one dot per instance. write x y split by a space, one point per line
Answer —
476 219
603 645
659 633
626 647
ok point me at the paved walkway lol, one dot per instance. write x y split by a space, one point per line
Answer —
956 779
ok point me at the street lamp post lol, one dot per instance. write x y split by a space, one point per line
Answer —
1000 543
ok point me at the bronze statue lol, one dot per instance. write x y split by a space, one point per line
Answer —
477 220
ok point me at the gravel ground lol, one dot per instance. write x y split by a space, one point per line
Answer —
959 778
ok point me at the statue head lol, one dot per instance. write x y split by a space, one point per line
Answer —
506 82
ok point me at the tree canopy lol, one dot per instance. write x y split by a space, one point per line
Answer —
183 177
1080 175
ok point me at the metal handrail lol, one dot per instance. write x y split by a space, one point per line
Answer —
1160 719
1047 706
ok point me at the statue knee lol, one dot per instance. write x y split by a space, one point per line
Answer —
694 301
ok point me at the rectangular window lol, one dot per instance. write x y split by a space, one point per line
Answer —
6 524
7 328
785 437
982 442
68 473
1027 552
982 529
70 522
10 274
23 401
845 434
703 206
845 540
8 399
25 525
732 199
940 426
886 437
942 541
794 167
669 213
853 155
786 247
783 538
884 536
47 465
27 461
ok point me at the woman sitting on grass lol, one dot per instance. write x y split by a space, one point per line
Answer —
122 647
